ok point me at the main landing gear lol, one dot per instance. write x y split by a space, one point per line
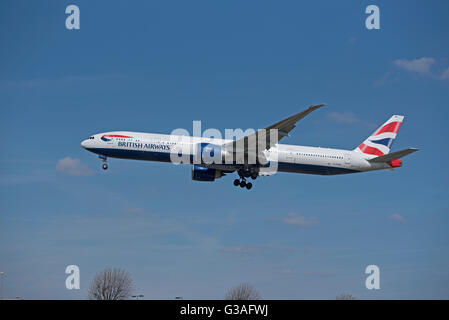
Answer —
242 183
246 173
105 164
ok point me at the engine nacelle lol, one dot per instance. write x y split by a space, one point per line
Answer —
208 153
200 173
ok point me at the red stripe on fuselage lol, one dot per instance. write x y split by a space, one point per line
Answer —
370 150
116 136
390 127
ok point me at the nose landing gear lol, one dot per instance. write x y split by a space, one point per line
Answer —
105 164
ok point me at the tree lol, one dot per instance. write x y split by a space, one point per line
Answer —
243 291
346 296
111 284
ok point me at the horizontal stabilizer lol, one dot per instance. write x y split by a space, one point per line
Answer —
393 156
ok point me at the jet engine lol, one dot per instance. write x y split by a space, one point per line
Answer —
200 173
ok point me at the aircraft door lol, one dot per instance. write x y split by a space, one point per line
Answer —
347 158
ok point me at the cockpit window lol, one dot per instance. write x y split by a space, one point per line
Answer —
91 138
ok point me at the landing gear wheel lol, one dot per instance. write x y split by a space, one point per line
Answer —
236 182
104 159
249 185
242 184
254 176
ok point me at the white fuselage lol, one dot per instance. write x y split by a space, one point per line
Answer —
288 158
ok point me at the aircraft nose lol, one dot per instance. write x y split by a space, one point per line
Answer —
84 144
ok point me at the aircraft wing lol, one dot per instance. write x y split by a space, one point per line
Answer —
395 155
283 127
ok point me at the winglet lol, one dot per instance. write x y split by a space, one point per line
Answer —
317 106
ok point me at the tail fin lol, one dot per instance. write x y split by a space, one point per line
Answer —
379 143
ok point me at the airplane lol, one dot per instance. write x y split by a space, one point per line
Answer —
372 154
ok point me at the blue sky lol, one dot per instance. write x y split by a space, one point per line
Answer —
156 66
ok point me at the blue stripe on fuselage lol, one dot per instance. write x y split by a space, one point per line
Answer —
165 157
132 154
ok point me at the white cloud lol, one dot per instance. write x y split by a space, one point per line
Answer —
297 220
343 117
397 217
134 211
319 273
421 65
73 167
445 74
240 249
387 78
286 271
63 81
